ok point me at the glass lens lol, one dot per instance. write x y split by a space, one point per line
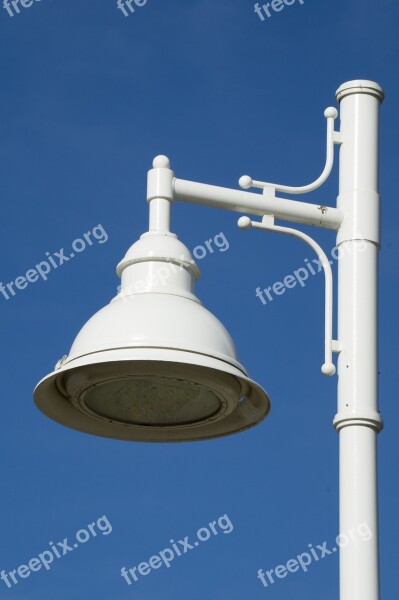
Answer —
155 402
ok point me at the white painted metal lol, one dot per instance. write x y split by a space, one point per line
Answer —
163 329
330 114
257 204
160 194
267 224
358 420
154 345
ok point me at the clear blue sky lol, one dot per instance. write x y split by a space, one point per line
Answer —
88 98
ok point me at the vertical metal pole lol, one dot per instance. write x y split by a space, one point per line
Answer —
358 420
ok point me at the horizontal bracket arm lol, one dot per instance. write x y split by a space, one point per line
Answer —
257 204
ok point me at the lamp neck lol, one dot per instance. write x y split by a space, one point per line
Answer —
160 194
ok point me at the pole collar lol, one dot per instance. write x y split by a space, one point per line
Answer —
360 86
367 418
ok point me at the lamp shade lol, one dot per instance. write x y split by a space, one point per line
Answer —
153 365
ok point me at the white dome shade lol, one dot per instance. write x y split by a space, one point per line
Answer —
155 321
154 364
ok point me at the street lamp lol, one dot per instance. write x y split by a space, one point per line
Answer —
155 365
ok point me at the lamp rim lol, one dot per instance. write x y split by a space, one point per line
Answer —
251 402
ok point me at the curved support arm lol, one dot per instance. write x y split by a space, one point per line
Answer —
330 114
328 368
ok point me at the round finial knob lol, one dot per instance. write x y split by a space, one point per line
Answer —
244 223
328 369
331 111
245 182
161 162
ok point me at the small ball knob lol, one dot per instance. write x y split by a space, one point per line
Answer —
244 223
328 369
331 112
245 182
161 162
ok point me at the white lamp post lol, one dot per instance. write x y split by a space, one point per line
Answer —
155 365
